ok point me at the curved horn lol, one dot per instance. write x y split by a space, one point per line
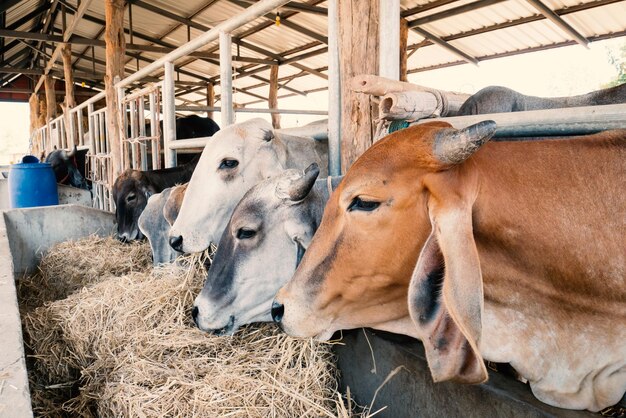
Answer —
457 147
71 153
300 187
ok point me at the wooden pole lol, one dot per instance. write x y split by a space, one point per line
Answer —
115 50
51 102
33 103
404 38
273 96
358 46
210 99
69 102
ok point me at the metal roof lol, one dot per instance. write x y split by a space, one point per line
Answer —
445 33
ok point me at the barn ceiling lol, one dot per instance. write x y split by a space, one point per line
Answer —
442 33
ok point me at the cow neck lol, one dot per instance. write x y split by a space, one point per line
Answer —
168 177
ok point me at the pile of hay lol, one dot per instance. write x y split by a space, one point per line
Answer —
71 265
130 345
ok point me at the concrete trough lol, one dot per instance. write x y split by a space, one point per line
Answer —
24 235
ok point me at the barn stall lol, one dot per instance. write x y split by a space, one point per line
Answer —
121 125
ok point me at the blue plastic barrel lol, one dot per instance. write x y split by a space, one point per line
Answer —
32 183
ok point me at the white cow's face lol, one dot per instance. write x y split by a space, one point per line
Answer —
236 158
259 251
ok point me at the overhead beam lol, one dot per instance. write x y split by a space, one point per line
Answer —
453 12
425 7
445 45
557 20
57 92
66 36
518 52
7 4
41 71
305 31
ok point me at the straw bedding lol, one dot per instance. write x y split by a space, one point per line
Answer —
124 346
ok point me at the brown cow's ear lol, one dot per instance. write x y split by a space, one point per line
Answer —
446 300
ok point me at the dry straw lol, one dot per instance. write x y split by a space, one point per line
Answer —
129 344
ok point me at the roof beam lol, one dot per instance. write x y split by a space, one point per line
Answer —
517 22
66 36
518 52
445 45
42 71
453 12
425 7
7 4
78 40
557 20
305 31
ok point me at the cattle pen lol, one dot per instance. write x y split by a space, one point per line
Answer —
140 86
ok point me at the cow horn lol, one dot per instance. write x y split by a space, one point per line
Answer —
457 147
71 153
300 187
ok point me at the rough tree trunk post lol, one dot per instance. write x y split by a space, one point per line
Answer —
51 102
210 99
115 49
358 20
51 107
70 102
33 103
273 96
404 38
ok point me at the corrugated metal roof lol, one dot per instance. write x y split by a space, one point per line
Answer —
500 29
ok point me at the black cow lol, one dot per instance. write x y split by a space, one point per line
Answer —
132 189
69 167
497 99
194 126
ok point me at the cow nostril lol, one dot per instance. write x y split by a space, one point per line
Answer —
177 243
194 314
122 238
278 310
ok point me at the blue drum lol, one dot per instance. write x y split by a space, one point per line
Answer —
32 183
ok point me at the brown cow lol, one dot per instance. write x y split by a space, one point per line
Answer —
522 258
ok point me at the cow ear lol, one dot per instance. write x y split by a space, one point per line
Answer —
147 190
446 299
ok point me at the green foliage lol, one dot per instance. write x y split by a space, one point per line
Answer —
619 62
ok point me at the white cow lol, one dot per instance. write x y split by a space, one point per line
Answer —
238 157
267 235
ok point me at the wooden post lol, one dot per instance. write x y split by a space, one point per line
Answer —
115 49
358 45
404 38
210 99
33 103
51 102
69 102
273 96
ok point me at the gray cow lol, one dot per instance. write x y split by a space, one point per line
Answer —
267 235
497 99
157 218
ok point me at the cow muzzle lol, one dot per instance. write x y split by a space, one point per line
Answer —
176 242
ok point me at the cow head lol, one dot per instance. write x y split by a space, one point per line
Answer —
131 191
263 243
65 168
155 228
409 195
237 158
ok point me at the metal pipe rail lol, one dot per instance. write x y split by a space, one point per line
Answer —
253 110
547 122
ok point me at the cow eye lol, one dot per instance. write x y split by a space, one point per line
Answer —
363 205
226 163
243 233
131 197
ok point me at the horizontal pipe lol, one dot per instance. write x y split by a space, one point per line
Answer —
568 121
237 21
252 110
